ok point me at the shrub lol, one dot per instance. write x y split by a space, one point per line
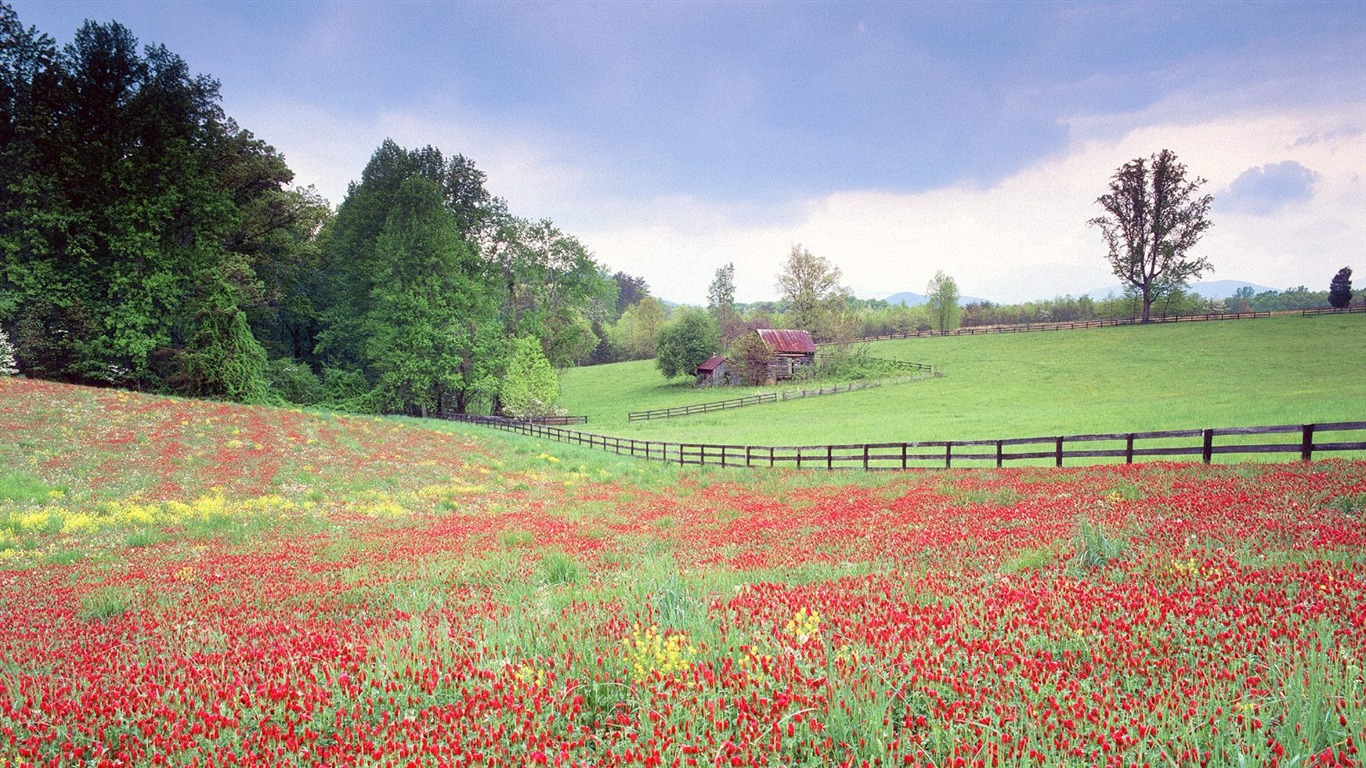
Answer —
294 381
7 364
530 387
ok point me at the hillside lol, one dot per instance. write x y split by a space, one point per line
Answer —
191 582
1282 370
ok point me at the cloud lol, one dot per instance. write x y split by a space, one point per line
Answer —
1023 237
1263 190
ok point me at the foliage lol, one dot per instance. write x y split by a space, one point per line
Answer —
721 301
1340 289
686 342
530 387
293 382
425 304
750 356
810 285
633 336
943 302
1153 217
7 366
123 186
549 286
631 290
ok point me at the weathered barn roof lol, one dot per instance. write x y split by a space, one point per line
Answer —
711 364
788 342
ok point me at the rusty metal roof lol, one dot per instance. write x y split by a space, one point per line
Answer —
788 342
711 364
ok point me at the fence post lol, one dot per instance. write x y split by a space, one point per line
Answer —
1208 452
1058 461
948 455
770 457
903 455
1129 449
829 457
865 457
1307 442
1000 456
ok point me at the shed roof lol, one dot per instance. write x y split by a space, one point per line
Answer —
711 364
788 342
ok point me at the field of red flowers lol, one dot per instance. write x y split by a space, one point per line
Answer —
198 584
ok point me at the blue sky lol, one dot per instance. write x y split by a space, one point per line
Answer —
895 139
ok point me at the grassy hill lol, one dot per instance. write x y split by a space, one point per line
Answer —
1280 370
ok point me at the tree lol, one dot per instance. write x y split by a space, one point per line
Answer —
7 366
721 300
630 290
943 301
751 356
530 387
811 287
686 342
1340 289
1153 217
633 336
427 304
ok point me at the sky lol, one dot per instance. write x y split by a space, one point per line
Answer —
894 139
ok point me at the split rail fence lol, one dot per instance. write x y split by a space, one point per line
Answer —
920 371
1332 310
1303 441
982 330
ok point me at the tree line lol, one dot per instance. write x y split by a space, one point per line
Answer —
147 241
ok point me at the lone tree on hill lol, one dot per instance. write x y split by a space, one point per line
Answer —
943 301
1340 289
1153 217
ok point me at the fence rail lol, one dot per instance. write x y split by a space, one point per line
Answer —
1303 441
1332 310
982 330
921 371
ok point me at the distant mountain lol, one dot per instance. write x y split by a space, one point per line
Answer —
1212 289
916 299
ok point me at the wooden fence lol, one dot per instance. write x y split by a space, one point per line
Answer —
1300 440
1332 310
982 330
773 397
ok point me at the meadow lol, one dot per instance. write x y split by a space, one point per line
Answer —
190 583
1279 370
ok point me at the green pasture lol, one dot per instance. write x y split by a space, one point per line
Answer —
1280 370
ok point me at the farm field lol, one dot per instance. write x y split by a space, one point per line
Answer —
1280 370
190 583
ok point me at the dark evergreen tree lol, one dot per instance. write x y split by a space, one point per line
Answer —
1340 289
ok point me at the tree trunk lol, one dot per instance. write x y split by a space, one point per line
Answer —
1147 304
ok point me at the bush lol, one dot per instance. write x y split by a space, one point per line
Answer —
7 365
686 342
294 381
530 388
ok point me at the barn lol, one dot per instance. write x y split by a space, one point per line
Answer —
792 352
715 372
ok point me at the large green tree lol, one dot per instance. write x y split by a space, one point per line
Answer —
551 287
686 342
423 317
811 287
1154 215
132 213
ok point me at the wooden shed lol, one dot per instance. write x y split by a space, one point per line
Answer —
715 372
792 351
